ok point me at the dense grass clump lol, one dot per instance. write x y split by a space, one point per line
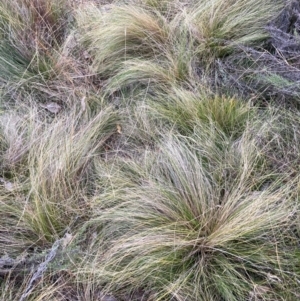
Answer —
149 150
169 229
31 32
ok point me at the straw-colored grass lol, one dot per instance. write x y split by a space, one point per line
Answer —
168 229
45 170
31 31
140 159
219 26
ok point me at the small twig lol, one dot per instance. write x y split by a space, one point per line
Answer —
42 267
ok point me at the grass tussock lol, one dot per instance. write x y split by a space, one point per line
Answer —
31 30
149 150
169 229
193 38
137 46
130 32
188 110
45 169
40 57
220 26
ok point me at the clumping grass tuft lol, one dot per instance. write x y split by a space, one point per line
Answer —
169 230
219 26
31 30
149 150
188 110
120 34
39 53
45 169
134 46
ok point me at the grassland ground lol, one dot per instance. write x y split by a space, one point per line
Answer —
149 150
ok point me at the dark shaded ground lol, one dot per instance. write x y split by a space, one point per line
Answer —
271 71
